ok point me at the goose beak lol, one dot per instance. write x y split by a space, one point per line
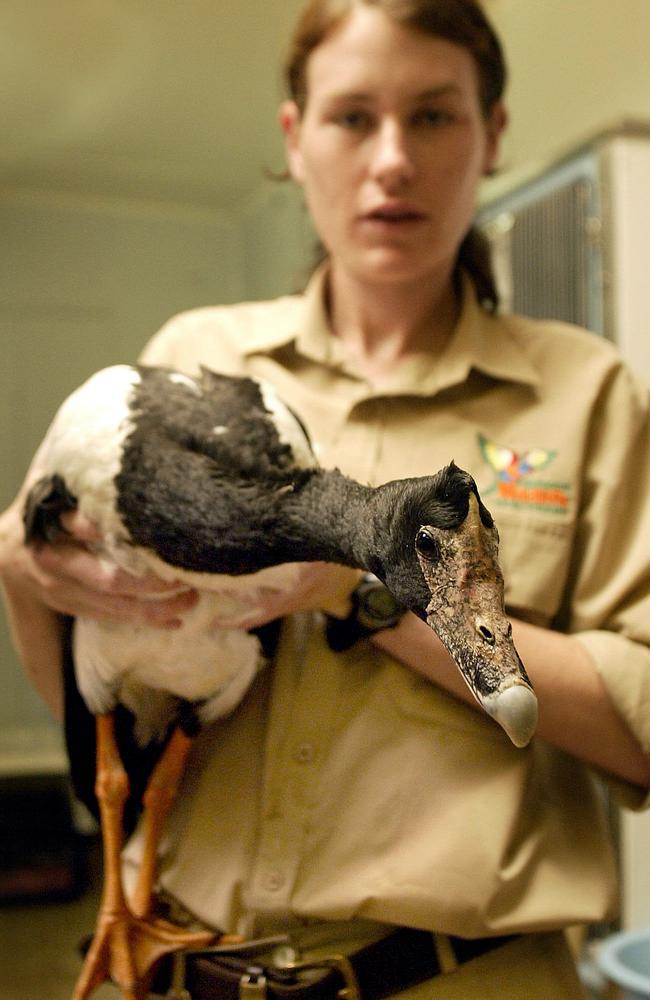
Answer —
467 612
515 709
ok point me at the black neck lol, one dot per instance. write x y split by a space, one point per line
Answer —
240 528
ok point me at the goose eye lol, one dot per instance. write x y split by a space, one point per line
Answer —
427 545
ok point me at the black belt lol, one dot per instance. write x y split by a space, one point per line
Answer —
403 958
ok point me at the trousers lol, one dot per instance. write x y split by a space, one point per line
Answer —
532 967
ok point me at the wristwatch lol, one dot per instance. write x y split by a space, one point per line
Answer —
373 608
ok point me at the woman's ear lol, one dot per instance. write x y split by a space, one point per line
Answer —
289 117
495 126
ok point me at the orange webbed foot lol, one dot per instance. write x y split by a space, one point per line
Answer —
126 950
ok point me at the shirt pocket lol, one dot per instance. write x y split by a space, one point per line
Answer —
535 554
418 700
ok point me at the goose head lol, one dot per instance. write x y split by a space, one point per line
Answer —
447 532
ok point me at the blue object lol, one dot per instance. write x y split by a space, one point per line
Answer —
625 960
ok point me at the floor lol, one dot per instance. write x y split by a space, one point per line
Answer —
39 956
39 953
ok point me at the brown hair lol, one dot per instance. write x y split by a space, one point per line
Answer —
462 22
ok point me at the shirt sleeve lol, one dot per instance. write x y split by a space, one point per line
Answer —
210 336
610 608
168 346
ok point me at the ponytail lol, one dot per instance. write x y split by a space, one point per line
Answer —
475 258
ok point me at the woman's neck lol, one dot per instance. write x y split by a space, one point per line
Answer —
380 324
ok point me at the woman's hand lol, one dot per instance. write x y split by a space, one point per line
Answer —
316 586
68 578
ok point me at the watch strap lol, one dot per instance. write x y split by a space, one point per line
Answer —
342 633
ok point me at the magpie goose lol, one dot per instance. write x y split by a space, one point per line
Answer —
212 482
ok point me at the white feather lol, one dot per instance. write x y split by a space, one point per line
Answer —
288 427
198 662
178 378
85 439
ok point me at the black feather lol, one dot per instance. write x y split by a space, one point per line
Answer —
46 501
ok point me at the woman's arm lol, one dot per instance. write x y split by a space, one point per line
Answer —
576 713
36 632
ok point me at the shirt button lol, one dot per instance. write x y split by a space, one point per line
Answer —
274 881
304 753
285 956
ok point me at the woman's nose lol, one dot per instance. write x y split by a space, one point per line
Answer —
391 162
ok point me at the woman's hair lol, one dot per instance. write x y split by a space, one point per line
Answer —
462 22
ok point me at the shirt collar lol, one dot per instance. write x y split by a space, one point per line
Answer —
480 342
484 342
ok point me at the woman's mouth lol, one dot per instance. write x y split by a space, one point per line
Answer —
394 215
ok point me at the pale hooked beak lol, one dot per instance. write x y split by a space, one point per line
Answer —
467 612
515 709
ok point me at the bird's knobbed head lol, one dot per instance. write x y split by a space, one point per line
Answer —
455 543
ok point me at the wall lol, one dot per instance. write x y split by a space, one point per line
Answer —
279 241
576 66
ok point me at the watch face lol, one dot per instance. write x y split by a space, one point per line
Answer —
377 606
380 602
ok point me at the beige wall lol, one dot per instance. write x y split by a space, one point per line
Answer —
576 66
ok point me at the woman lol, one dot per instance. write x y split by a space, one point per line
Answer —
349 794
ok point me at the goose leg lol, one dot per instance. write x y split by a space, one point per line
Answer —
125 948
158 798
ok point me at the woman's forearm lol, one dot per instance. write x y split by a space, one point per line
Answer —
576 713
36 629
37 634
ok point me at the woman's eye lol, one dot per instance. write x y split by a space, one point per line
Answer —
354 120
431 117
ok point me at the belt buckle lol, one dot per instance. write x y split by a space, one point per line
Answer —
253 985
342 964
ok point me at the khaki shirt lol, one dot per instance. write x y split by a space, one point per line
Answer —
345 786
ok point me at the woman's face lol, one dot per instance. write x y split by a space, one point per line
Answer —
390 147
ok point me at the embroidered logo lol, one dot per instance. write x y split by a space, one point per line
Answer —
513 486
